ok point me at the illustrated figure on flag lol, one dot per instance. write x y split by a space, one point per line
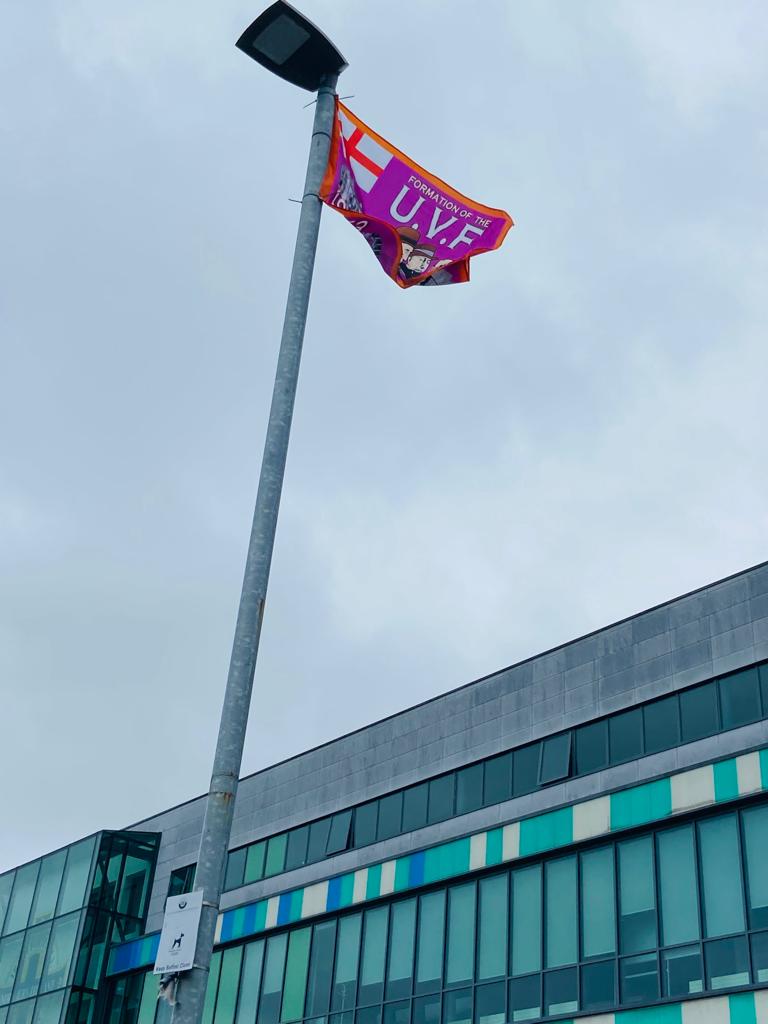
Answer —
420 230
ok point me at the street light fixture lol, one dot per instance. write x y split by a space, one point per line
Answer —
284 42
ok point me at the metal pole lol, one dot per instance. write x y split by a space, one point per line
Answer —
220 803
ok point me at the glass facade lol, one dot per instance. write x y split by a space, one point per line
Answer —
667 913
57 916
703 710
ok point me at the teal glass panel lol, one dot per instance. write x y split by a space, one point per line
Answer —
637 896
402 936
250 982
319 831
3 1010
678 888
10 951
525 998
48 884
134 885
6 884
211 988
229 977
233 876
426 1010
98 949
320 969
526 920
347 962
598 903
429 954
493 927
254 863
21 898
31 962
76 872
48 1008
756 852
490 1003
457 1006
740 698
296 967
459 961
721 876
562 901
148 1002
275 855
272 984
374 956
21 1013
397 1013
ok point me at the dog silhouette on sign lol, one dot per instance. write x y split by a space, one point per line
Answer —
177 942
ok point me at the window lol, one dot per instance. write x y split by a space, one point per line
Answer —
229 977
440 805
254 863
562 933
250 985
525 771
415 807
460 956
525 998
47 891
560 991
402 936
637 896
365 823
469 789
740 698
318 840
727 964
555 758
296 851
626 735
598 985
374 956
698 711
296 966
598 910
390 816
591 747
498 779
493 927
21 898
338 837
678 886
682 972
721 876
235 868
275 861
526 920
347 960
661 720
272 985
756 851
429 953
181 880
490 1003
639 979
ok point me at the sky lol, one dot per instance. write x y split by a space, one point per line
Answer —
477 473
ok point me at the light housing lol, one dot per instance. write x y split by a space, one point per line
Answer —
286 43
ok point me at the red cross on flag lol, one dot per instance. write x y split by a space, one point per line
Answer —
367 157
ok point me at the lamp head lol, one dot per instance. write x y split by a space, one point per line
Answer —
290 46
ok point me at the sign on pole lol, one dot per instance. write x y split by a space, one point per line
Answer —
178 939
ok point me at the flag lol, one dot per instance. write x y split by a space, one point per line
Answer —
421 230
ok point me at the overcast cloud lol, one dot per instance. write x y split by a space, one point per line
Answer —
476 473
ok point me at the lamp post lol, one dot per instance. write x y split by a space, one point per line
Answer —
286 43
